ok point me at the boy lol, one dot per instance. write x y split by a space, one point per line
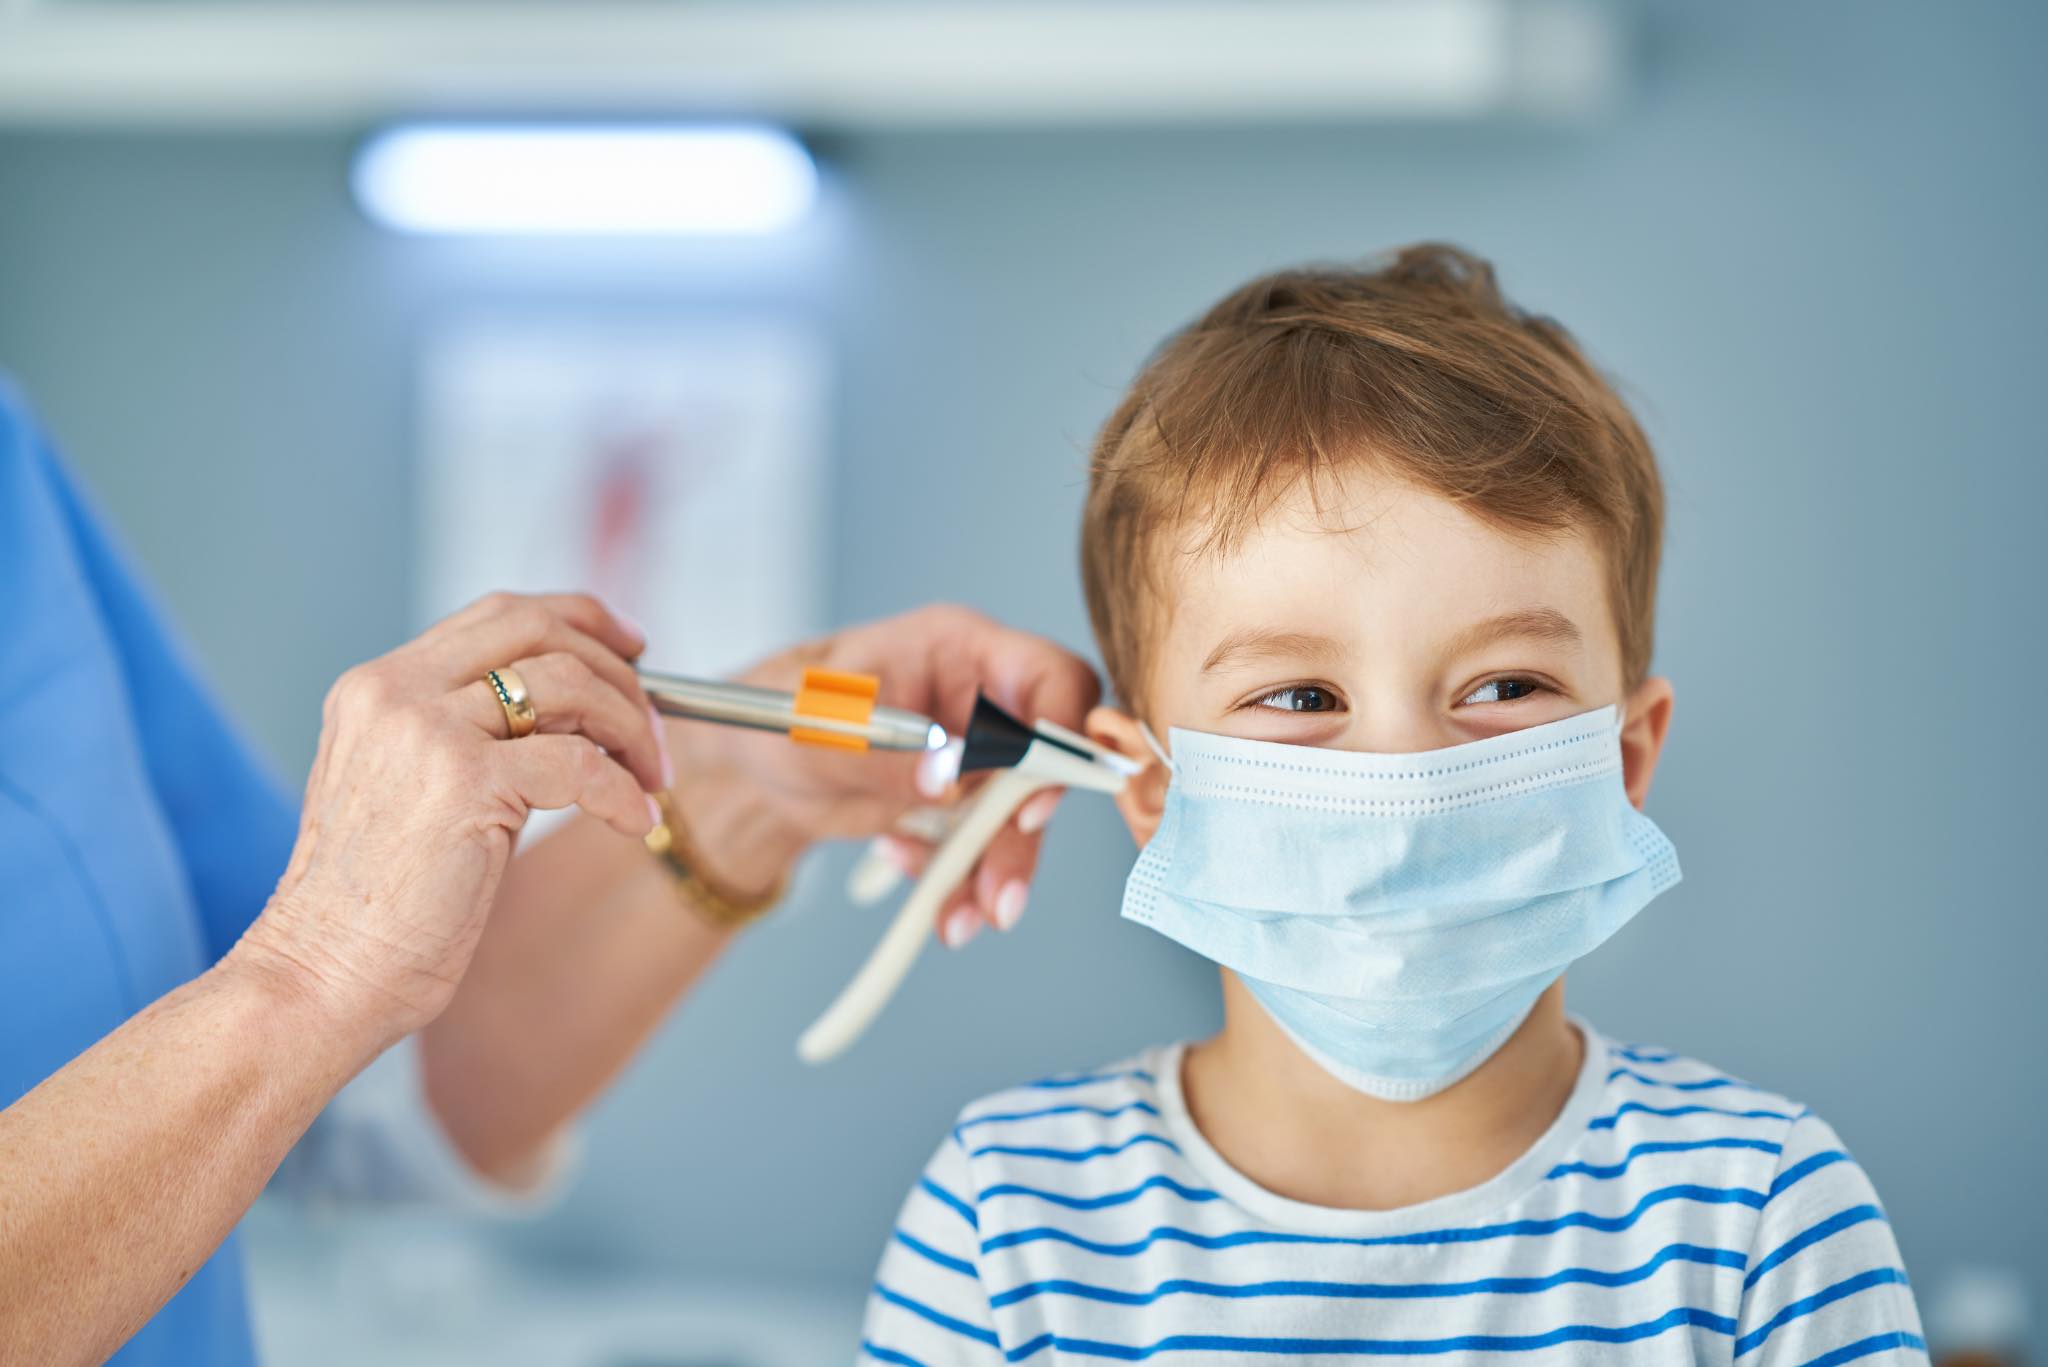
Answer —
1381 550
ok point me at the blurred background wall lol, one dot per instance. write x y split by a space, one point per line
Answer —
1809 240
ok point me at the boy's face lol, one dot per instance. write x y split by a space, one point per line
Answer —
1390 621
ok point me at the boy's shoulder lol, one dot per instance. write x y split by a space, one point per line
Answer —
1072 1114
1651 1080
1657 1100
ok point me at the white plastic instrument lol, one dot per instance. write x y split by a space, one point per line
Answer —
1025 759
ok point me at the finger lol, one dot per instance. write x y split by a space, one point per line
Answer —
1036 813
873 876
569 698
586 613
1002 880
998 889
1030 676
590 615
907 854
461 651
1000 886
1050 684
888 860
959 923
457 653
935 659
962 916
966 911
928 824
570 771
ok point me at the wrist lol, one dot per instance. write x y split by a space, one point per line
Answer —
321 1002
743 839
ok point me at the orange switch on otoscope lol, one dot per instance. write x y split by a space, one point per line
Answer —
834 695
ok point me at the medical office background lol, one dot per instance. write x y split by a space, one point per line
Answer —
1809 238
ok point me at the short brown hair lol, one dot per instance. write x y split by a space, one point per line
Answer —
1414 364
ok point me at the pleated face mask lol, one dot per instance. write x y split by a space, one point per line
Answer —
1399 915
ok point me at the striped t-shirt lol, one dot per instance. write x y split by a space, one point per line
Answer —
1670 1215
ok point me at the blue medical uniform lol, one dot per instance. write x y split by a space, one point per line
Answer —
139 834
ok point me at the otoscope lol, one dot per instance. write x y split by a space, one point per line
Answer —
838 710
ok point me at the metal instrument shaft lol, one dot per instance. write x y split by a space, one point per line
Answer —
771 709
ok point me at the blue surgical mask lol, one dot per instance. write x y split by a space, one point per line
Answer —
1399 915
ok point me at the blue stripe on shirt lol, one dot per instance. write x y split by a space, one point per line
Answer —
1074 1155
1473 1234
937 1317
1813 1234
1157 1182
1107 1112
889 1355
1804 1167
1466 1343
1689 1253
1806 1305
1863 1348
1603 1171
932 1255
947 1198
1053 1083
1697 1085
1606 1122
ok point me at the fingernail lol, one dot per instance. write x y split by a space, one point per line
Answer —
653 813
871 879
1038 811
894 851
668 766
938 768
633 628
960 927
1010 903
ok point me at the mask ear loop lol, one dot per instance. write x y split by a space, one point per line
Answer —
1145 730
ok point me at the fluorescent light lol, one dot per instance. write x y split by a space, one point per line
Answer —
570 179
879 64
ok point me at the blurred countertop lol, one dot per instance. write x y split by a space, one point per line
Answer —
414 1290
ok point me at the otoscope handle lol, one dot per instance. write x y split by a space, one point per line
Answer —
771 709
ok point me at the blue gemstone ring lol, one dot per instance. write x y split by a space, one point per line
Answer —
511 692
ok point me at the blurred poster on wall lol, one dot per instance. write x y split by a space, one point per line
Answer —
672 467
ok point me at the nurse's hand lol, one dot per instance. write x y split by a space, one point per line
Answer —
753 801
418 791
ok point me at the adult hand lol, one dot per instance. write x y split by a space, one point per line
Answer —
752 802
418 791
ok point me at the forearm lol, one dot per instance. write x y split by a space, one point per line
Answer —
123 1171
588 949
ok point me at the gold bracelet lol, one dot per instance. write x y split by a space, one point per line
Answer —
726 910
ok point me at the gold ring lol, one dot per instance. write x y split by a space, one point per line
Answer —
511 691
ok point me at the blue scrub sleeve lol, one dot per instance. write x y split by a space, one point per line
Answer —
233 827
233 822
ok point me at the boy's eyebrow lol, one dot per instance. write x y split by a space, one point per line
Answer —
1542 624
1264 643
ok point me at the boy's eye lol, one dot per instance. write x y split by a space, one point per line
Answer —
1301 698
1501 690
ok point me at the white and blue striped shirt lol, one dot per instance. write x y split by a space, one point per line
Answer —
1670 1215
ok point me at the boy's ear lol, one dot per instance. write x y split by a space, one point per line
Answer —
1643 729
1143 797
